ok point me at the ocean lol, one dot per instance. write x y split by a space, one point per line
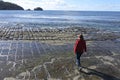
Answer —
106 20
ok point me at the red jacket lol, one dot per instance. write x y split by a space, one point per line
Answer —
80 46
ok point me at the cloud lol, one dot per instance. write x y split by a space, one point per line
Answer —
45 4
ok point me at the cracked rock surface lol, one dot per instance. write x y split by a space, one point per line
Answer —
47 54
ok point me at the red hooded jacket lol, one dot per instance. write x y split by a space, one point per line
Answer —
80 46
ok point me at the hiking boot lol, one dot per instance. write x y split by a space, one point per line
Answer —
80 68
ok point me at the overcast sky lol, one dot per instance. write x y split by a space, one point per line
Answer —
94 5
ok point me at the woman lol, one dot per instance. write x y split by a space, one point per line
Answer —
79 49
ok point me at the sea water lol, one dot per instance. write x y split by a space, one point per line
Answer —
107 20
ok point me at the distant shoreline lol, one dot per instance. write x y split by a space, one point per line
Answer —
108 21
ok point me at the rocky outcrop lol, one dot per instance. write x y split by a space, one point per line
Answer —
46 60
28 9
9 6
38 9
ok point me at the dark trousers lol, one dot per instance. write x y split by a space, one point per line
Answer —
78 55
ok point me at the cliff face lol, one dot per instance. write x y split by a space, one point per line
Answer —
9 6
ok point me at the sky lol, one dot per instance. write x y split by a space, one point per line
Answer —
84 5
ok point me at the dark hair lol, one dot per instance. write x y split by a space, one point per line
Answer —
81 37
